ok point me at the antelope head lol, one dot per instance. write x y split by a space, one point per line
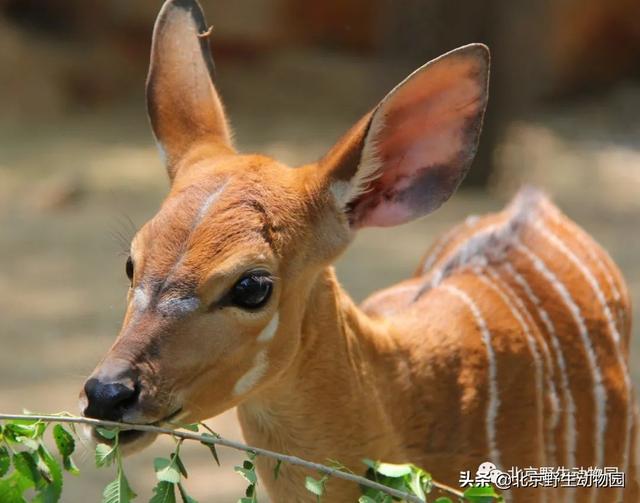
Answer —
220 275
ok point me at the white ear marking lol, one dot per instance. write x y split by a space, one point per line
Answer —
369 168
270 330
253 375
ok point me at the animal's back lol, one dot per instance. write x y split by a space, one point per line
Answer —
540 317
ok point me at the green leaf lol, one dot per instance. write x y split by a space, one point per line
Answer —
175 457
164 492
70 466
25 464
314 486
276 469
5 461
119 490
43 468
50 486
64 441
27 442
211 447
370 463
249 475
185 497
366 499
420 482
108 434
21 428
105 455
394 471
191 427
443 499
166 471
13 487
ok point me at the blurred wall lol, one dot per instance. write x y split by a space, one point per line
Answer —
61 55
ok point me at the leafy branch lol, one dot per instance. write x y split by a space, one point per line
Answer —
36 468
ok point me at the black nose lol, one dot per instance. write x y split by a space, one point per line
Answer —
109 400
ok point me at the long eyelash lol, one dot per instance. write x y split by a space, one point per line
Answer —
124 234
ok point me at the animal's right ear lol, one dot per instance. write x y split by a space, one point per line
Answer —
406 157
182 102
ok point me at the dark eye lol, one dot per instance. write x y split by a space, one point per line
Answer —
129 269
251 291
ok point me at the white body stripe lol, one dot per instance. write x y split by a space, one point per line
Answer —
499 287
469 244
441 244
589 249
593 283
600 397
570 406
551 237
494 400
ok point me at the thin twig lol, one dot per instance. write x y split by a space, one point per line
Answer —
217 440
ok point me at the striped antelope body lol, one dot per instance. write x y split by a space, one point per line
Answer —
545 352
510 344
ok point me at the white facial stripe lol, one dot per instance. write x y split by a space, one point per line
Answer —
253 375
270 330
208 202
494 401
177 307
140 298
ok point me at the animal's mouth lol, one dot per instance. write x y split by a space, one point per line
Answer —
131 437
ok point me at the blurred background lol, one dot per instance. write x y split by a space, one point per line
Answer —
79 171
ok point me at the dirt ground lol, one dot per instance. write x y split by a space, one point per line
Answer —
69 187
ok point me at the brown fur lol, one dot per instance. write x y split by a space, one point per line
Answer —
406 377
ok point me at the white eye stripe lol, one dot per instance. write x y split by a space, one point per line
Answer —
173 306
140 298
270 330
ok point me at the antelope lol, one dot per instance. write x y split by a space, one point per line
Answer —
509 345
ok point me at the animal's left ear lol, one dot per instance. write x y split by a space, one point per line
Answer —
407 156
183 104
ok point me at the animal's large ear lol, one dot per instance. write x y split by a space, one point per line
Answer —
407 156
183 105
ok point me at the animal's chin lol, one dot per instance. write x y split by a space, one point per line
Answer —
130 441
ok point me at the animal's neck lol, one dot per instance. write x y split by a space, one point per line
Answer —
334 400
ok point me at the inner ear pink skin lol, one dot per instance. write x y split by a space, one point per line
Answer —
421 140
